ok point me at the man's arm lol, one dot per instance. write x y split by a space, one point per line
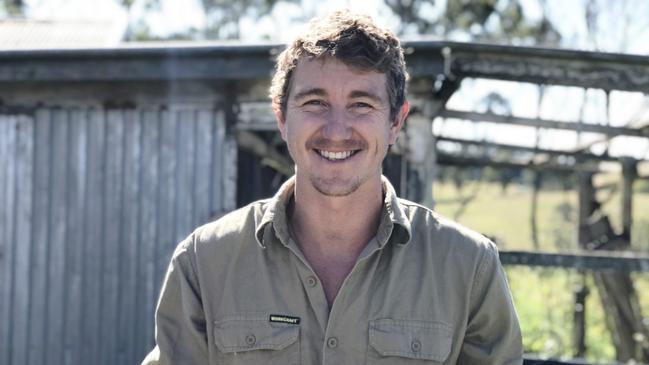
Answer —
493 335
180 330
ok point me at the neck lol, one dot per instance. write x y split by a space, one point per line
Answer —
340 224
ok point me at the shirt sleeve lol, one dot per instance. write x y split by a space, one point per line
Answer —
180 330
493 334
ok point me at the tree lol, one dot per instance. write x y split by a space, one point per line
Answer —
483 20
223 19
12 8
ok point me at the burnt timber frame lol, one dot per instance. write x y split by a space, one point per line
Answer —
440 65
425 59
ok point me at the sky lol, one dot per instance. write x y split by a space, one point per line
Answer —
177 15
623 27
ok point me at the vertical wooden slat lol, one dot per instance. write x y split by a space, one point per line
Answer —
629 174
56 285
184 173
94 237
22 237
4 261
40 238
229 177
203 156
110 293
129 241
7 183
148 202
76 187
166 241
218 150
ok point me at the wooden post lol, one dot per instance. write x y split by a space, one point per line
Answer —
616 290
586 208
579 317
534 209
629 173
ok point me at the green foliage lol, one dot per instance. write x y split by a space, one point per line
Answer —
222 18
224 15
12 8
564 220
641 186
462 14
484 20
538 293
502 21
640 235
544 298
127 3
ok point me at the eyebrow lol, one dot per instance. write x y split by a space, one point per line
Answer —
356 94
316 91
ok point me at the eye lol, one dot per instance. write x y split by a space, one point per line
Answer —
362 106
313 102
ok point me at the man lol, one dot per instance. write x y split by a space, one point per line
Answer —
335 269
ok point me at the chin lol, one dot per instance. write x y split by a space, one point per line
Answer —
336 186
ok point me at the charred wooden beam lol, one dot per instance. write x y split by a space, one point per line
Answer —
598 261
629 174
533 150
549 66
437 60
148 63
544 123
528 360
466 161
269 155
258 126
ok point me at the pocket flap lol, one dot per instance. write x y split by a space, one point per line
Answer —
237 335
412 339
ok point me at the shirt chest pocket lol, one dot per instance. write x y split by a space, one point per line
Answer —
396 341
256 341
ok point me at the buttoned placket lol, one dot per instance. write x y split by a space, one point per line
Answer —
312 286
316 296
330 319
333 332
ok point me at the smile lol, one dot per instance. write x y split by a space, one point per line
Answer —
336 156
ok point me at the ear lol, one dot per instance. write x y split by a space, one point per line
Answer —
397 124
281 122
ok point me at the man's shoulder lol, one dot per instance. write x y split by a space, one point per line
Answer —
239 221
229 228
436 229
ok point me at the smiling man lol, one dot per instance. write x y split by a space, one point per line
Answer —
336 269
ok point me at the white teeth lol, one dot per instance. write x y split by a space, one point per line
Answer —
335 156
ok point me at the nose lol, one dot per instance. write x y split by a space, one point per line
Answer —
337 125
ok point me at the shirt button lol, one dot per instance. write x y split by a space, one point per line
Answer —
311 281
415 345
332 342
250 339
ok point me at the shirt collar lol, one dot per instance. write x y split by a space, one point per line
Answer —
394 221
273 220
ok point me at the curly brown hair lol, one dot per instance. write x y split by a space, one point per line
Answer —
353 39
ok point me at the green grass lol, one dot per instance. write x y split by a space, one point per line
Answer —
544 297
506 215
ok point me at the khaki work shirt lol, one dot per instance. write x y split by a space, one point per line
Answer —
424 291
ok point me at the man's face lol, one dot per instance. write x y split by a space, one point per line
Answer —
337 125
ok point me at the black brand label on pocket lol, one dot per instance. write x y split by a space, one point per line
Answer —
280 318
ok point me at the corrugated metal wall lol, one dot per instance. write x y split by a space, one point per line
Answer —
92 204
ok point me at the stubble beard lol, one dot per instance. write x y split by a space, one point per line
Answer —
336 187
